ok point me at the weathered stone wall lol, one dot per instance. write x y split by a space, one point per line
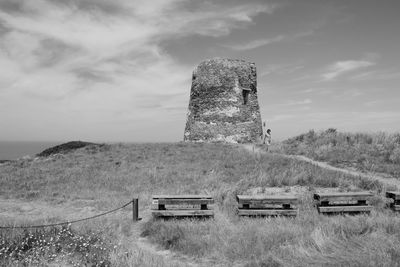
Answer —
217 111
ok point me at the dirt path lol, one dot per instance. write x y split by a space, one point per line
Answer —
392 182
165 256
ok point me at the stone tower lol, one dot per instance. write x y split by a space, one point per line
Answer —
223 103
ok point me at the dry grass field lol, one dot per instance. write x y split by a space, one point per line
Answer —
95 179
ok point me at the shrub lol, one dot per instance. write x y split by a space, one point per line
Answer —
33 247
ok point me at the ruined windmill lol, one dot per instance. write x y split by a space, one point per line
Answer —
223 103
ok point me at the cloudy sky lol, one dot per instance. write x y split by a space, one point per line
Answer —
102 70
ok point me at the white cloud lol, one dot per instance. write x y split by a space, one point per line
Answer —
255 43
266 41
280 69
376 75
310 90
373 103
299 102
342 67
87 61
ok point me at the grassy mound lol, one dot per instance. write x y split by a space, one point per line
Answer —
122 171
65 148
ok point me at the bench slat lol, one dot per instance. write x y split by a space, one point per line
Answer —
343 199
334 209
348 202
182 213
164 201
266 199
342 196
395 207
393 194
263 212
181 207
257 205
182 197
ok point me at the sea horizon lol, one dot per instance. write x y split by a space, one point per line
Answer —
12 150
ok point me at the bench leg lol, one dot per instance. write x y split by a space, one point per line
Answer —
246 206
324 203
361 202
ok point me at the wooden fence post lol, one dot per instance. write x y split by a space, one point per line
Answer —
135 209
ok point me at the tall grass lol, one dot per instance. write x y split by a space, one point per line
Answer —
308 240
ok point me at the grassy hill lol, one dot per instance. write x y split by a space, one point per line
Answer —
106 176
374 152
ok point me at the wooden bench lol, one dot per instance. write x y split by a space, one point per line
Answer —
267 205
395 205
182 206
348 202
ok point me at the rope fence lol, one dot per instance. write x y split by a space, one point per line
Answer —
134 202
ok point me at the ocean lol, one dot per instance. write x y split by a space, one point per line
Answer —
10 150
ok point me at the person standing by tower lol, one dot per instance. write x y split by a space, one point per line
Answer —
267 138
266 135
